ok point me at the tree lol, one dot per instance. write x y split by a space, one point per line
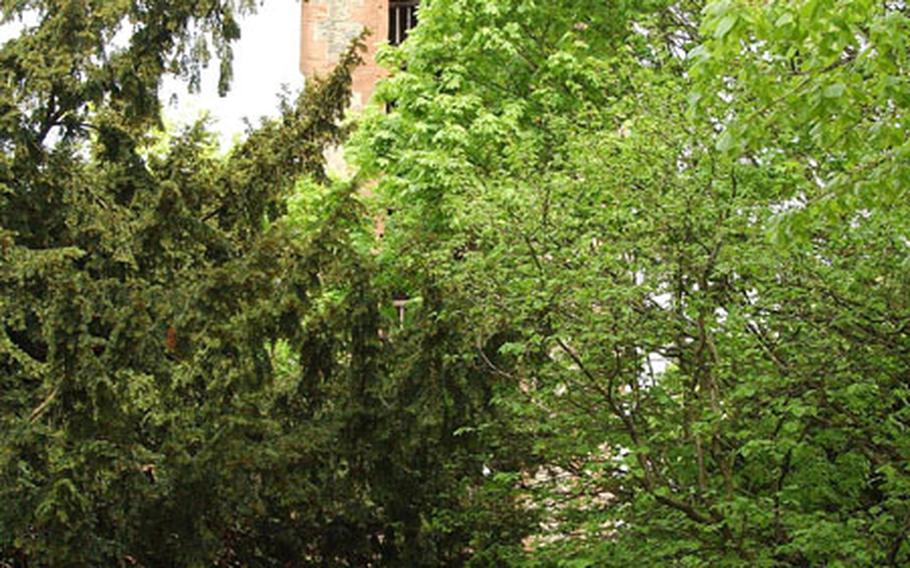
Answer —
197 361
145 289
815 88
692 393
618 345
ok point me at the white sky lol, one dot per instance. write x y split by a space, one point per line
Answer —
265 58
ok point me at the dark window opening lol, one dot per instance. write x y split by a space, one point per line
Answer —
402 18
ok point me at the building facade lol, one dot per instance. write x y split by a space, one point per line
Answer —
327 28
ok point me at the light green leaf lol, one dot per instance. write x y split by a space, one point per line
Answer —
834 91
726 141
725 25
784 20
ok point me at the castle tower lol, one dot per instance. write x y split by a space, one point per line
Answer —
328 26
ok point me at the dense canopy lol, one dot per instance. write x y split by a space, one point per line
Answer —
641 297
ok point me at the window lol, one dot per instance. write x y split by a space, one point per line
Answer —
402 17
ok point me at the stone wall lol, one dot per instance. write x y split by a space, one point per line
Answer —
327 28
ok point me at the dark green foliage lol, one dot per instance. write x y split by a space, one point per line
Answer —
194 367
141 292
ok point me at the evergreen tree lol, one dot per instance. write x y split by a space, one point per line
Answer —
192 363
144 288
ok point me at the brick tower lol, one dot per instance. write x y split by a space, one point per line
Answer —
328 26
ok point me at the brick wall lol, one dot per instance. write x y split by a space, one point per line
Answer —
327 28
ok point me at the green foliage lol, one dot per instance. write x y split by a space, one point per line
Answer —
817 88
591 188
651 257
147 298
194 367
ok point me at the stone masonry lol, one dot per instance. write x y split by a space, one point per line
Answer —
327 28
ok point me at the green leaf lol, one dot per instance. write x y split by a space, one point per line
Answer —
726 141
834 91
784 20
725 25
